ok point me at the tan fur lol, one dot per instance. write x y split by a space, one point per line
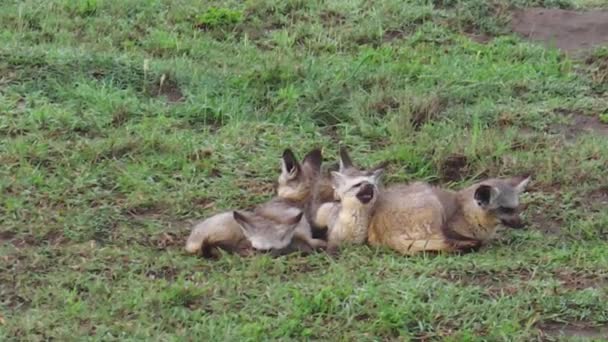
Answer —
347 224
278 209
294 192
418 217
220 229
347 220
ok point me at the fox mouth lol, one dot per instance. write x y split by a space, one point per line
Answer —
366 194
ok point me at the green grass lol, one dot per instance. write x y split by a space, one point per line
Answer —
123 121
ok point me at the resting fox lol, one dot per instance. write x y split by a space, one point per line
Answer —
419 217
347 220
242 231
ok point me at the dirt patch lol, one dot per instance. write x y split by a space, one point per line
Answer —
24 241
384 106
598 198
120 117
575 280
573 329
423 109
165 272
332 18
567 30
6 236
454 167
598 66
480 37
546 224
55 238
391 35
581 124
167 87
485 278
166 240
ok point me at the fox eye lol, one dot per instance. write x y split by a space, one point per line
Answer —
357 185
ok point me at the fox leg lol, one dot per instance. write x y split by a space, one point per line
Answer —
312 242
408 246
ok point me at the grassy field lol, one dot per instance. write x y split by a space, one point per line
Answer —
121 122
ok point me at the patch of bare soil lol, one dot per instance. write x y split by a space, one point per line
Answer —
166 240
573 329
168 88
546 224
598 198
480 38
567 30
391 35
6 236
577 280
454 167
332 18
580 124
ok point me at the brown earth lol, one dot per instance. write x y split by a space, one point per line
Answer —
567 30
575 329
580 124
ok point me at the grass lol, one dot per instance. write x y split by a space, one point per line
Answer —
122 121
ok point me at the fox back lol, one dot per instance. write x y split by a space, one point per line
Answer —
420 217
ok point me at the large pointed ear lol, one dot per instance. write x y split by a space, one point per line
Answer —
345 161
295 220
520 183
337 179
486 195
376 174
289 164
243 220
313 160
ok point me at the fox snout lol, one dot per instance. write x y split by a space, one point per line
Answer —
366 194
513 222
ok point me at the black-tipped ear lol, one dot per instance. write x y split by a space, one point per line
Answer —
313 159
290 163
345 161
296 219
520 182
382 165
483 195
240 218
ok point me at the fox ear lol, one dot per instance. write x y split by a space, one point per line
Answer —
377 173
295 220
243 221
337 179
345 161
520 183
313 160
289 164
485 195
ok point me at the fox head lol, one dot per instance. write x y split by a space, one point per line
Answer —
265 234
296 180
499 199
355 187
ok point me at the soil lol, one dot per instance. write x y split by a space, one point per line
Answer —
454 168
565 29
581 124
391 35
578 280
576 329
169 89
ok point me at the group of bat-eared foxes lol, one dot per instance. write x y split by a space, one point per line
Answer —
317 208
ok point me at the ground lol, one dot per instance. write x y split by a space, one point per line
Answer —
122 122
